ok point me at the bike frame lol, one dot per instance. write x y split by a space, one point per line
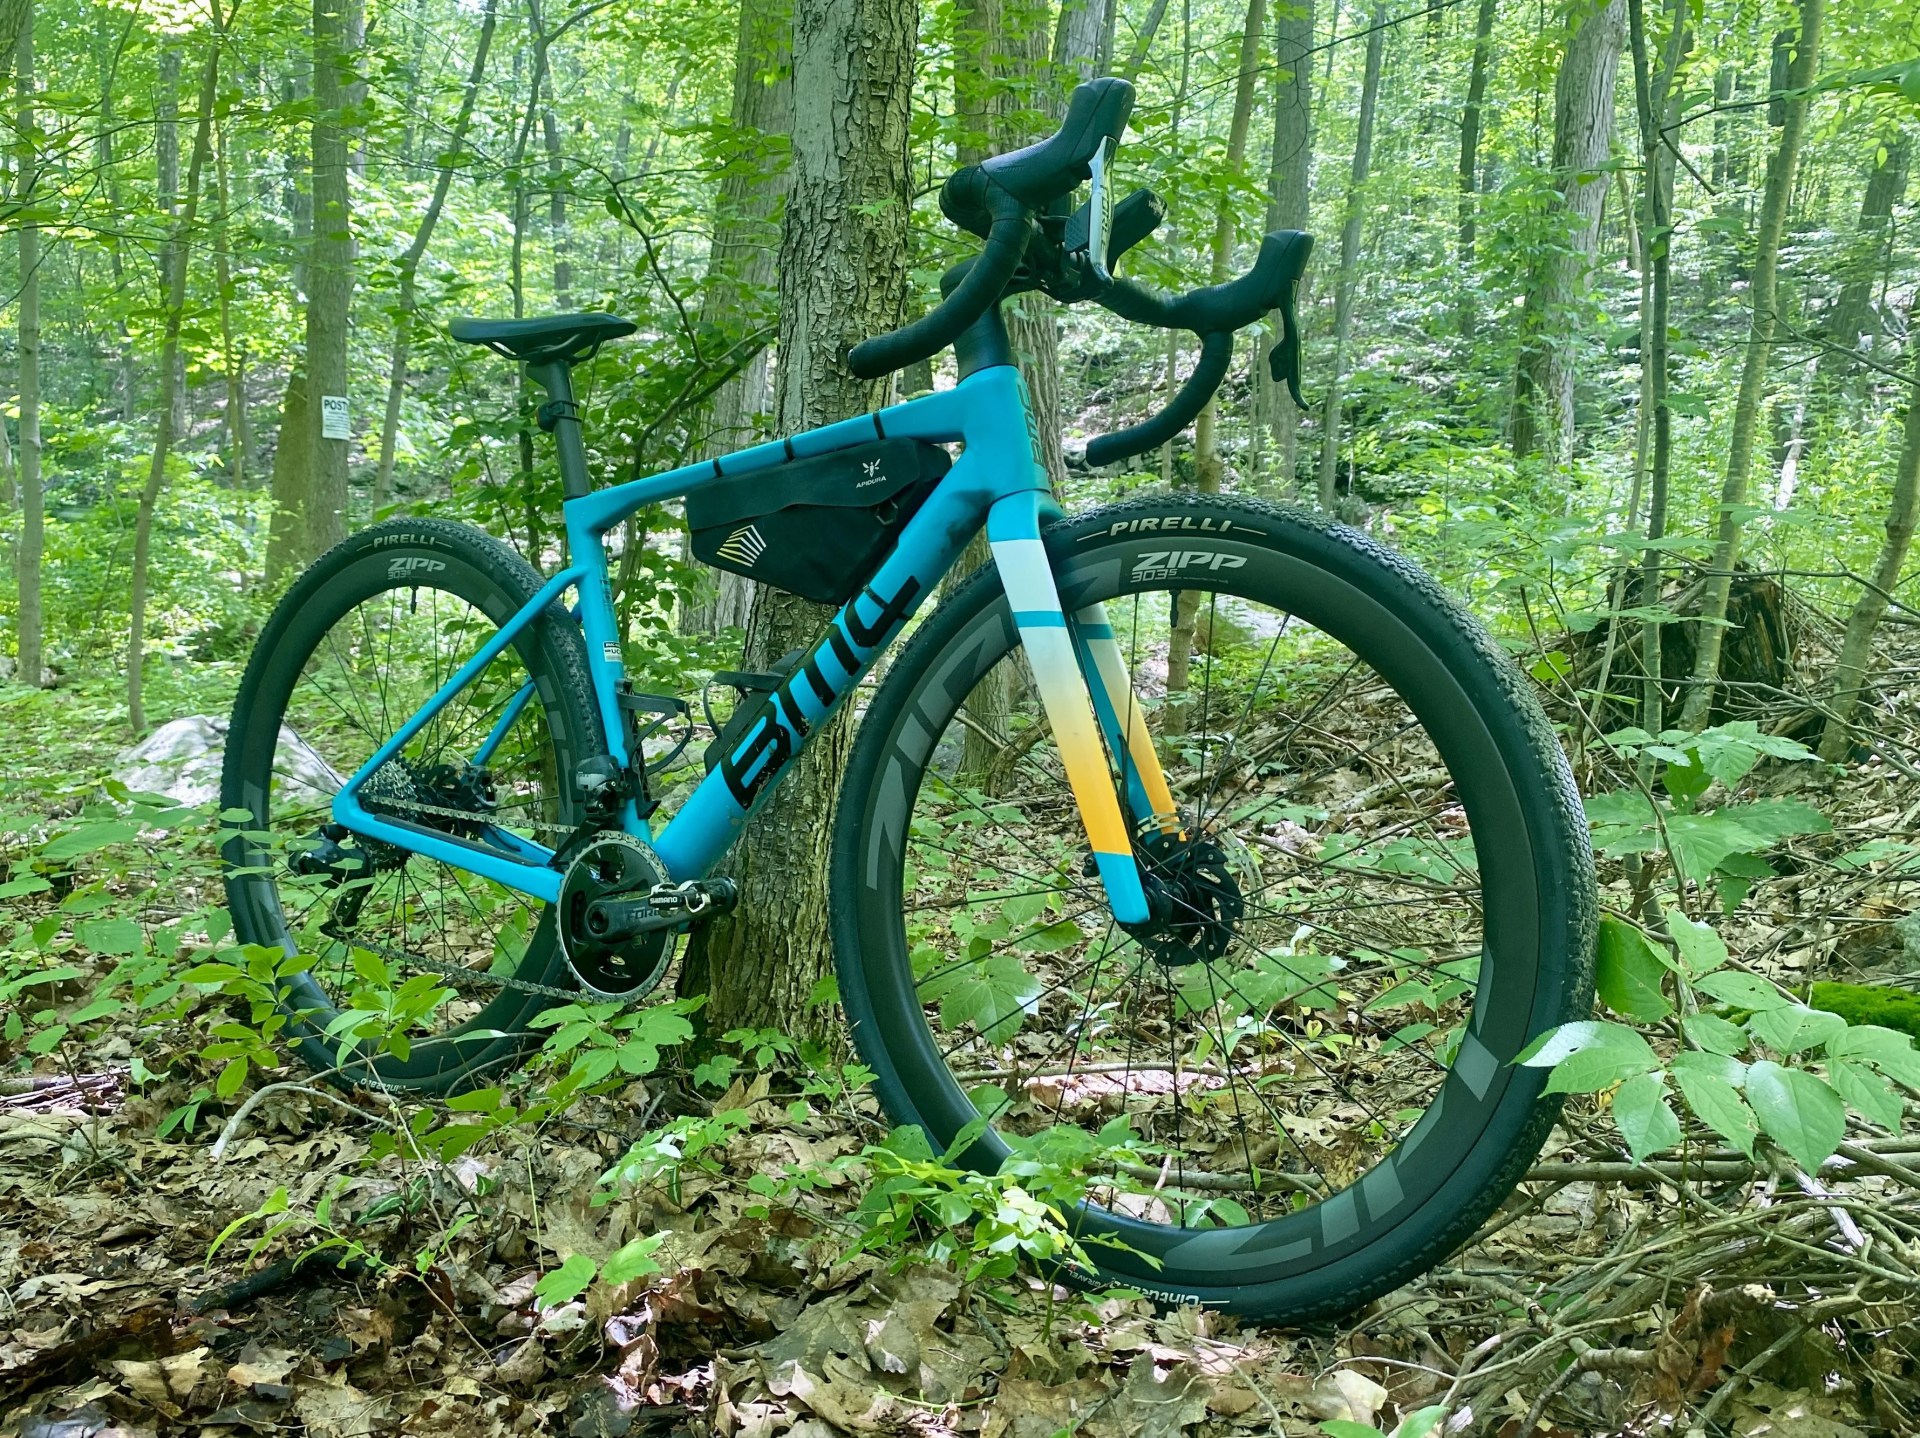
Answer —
997 481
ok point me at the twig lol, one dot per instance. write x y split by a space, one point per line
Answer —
219 1150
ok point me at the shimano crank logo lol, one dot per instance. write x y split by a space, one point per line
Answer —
1172 563
778 727
408 565
1168 524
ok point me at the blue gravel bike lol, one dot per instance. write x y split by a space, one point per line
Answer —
1196 845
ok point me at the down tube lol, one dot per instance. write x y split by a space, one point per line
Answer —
711 819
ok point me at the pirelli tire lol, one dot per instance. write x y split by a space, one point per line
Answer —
1462 1158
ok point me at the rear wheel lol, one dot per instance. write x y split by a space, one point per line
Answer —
351 653
1294 1093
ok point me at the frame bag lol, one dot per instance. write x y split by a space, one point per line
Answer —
815 527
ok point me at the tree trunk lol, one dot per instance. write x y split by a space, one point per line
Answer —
1851 323
330 281
1288 178
174 263
403 322
291 481
739 301
1582 137
16 19
1654 102
842 263
32 623
233 356
557 206
1849 675
1207 465
1761 294
1350 260
1470 115
1143 41
103 158
166 152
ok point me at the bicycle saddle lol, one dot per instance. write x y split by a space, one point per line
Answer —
565 338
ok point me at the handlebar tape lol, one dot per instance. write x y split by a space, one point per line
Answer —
942 325
1216 352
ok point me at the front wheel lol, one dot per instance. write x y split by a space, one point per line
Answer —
1298 1093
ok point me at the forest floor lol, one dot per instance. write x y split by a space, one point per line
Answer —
1703 1292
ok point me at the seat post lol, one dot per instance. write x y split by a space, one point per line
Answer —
560 417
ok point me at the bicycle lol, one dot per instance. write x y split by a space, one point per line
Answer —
1201 840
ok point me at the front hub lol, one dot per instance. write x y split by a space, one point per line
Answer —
1195 898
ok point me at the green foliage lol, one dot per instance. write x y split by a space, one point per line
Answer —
1756 1062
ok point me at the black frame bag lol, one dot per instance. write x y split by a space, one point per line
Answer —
815 527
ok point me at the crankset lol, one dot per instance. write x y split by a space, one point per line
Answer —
620 915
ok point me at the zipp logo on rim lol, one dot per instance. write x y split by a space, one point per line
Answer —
1171 563
408 564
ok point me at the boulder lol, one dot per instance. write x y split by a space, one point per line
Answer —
182 759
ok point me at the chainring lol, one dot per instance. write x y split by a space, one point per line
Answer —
611 863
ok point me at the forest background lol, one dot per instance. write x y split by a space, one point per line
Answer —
1610 328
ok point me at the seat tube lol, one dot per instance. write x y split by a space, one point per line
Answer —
1013 533
560 416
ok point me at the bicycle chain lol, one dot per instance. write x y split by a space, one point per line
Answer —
467 978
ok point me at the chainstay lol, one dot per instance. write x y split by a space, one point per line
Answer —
466 978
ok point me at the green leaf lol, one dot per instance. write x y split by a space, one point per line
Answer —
1628 972
992 995
1743 991
1589 1055
1701 949
116 937
1717 1035
1888 1050
88 839
1643 1116
565 1283
1866 1093
1421 1423
633 1260
1795 1027
1709 1084
1798 1111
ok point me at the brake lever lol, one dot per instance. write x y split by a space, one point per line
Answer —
1283 360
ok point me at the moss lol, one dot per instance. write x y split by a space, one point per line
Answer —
1871 1004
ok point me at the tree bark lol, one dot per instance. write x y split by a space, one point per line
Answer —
31 619
842 278
233 355
1849 675
738 303
1143 41
1350 260
329 280
1762 295
1654 101
1288 178
1851 322
1582 137
1470 116
290 483
166 152
403 323
174 262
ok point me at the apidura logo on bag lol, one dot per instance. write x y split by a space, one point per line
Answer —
743 546
872 468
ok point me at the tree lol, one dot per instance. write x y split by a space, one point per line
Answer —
1350 258
19 19
1851 319
740 262
1582 137
174 268
404 318
1288 180
1849 673
1470 117
843 249
329 280
1762 296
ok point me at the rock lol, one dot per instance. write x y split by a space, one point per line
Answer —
181 759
